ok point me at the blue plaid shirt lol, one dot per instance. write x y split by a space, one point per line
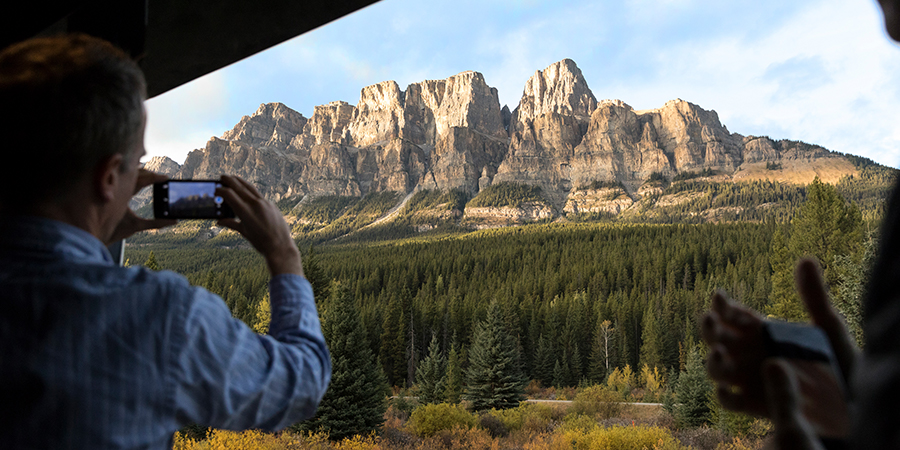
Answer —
93 355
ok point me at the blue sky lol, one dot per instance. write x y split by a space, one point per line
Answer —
820 71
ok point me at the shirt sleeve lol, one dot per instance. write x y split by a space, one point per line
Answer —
228 376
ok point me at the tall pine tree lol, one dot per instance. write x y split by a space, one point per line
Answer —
825 227
453 388
430 375
494 378
692 391
355 401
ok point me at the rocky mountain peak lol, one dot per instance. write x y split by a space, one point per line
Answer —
469 102
163 165
327 124
272 125
561 89
381 96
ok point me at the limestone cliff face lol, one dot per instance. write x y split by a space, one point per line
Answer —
272 125
453 134
163 165
272 170
550 121
695 137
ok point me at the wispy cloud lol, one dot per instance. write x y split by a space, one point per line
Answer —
184 119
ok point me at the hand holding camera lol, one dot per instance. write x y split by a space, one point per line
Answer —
766 368
261 223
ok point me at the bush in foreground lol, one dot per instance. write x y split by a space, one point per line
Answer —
597 401
427 420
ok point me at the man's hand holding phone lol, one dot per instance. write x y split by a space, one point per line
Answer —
261 223
754 375
130 222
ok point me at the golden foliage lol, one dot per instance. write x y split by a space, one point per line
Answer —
427 420
528 416
597 401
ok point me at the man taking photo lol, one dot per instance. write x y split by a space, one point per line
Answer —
98 356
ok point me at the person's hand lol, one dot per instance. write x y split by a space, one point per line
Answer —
260 221
791 431
734 335
130 222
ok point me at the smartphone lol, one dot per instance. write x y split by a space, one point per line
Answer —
189 199
823 390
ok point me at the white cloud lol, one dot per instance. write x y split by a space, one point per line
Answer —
185 118
826 76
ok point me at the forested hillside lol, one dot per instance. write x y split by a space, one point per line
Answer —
557 284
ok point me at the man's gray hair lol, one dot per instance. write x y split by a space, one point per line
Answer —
66 103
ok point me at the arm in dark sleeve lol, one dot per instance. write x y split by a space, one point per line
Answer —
231 377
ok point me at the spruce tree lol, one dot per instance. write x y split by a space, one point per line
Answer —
355 401
692 391
825 227
430 375
544 361
393 343
494 378
453 386
651 347
560 374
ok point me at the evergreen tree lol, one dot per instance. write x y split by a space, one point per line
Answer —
151 262
825 227
312 270
544 359
453 386
852 277
560 374
494 378
692 390
393 343
355 401
430 374
651 347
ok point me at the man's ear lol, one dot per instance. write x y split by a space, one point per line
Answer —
106 177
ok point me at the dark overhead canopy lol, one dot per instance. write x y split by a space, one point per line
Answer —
177 41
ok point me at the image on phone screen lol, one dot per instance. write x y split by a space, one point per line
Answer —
189 199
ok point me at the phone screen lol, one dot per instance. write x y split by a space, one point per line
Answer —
189 199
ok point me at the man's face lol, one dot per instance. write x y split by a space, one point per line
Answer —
128 174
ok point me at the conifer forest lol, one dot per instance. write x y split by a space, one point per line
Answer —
492 317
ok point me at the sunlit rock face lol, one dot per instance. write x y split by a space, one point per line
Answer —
272 125
453 134
550 121
163 165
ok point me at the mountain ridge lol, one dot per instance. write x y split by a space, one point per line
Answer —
452 135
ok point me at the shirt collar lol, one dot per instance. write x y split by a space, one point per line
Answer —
28 234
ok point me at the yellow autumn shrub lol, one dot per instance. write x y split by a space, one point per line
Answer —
530 416
620 438
427 420
597 401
